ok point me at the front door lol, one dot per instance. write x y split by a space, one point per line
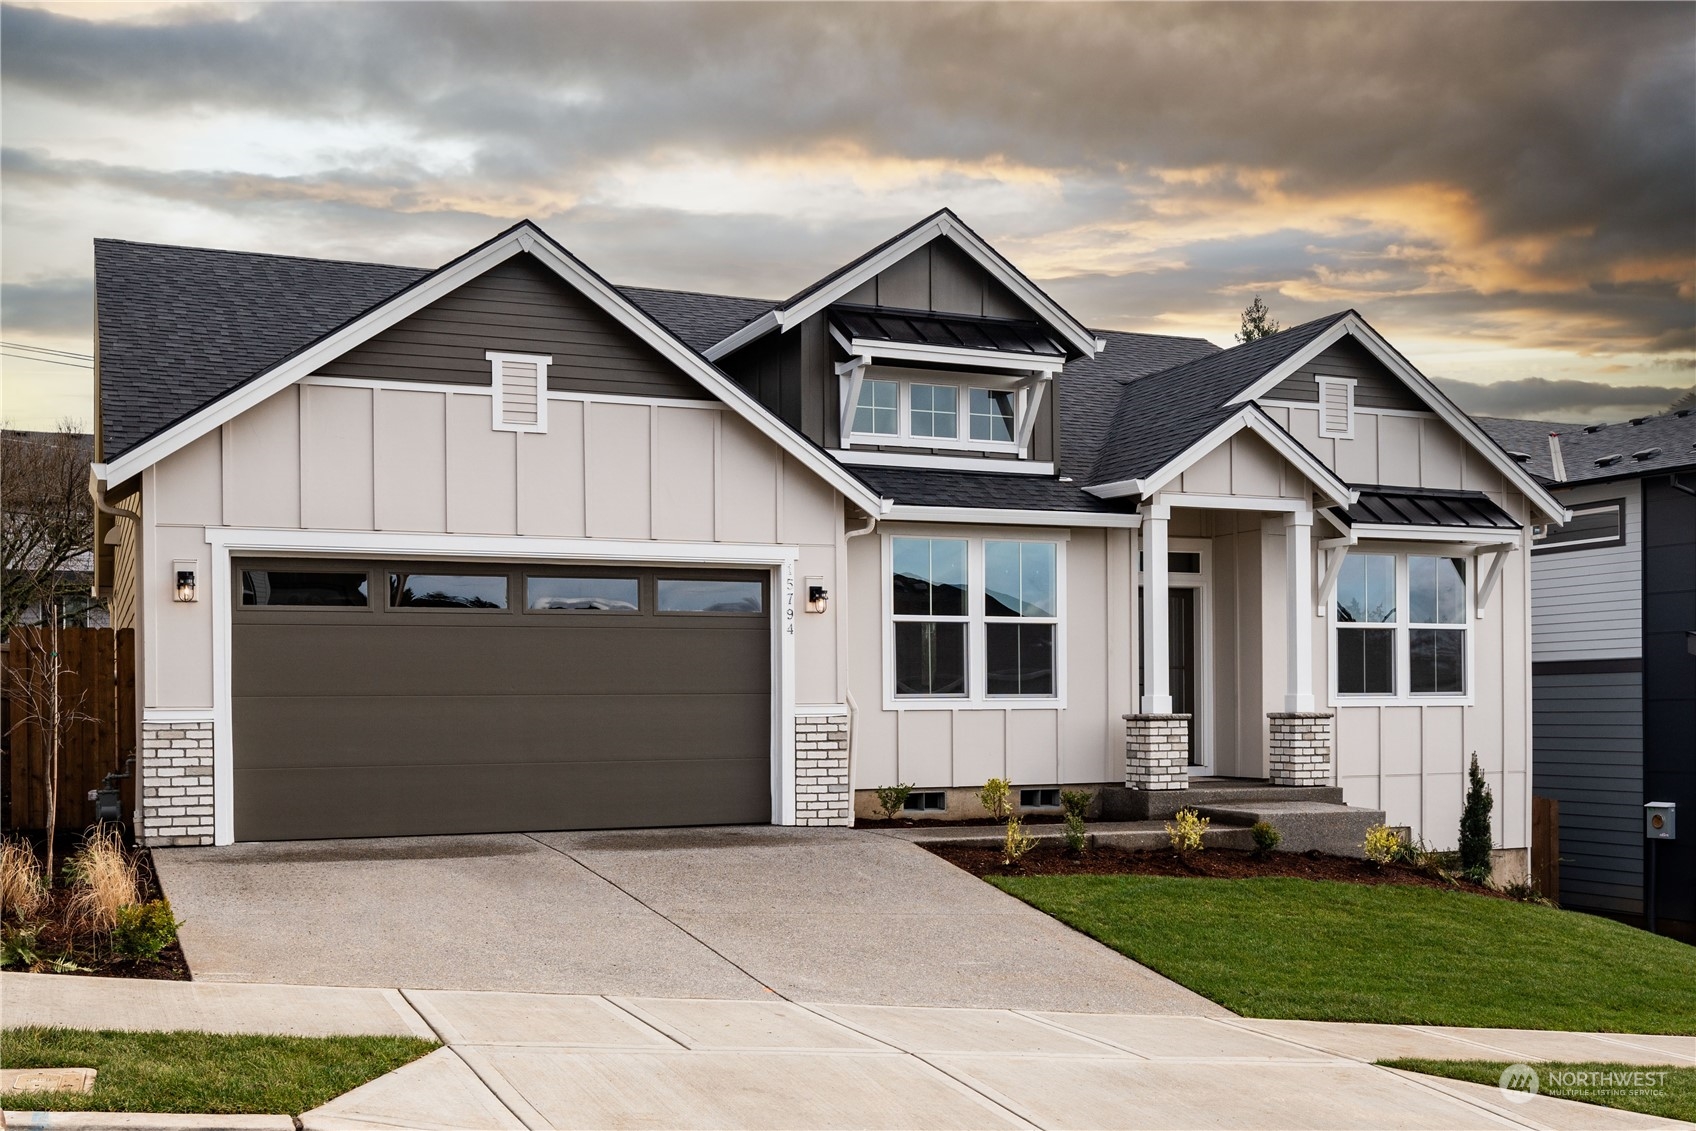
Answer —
1181 627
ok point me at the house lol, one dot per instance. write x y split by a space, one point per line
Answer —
501 545
1613 599
47 525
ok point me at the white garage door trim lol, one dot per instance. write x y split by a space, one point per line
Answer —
226 541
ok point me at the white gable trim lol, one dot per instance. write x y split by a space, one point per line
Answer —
1253 419
1451 414
942 224
524 238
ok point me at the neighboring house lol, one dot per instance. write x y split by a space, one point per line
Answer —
1614 652
41 533
504 546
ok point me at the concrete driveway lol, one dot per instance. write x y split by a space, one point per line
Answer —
831 915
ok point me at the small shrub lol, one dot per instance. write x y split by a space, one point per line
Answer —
23 889
1414 854
1017 843
892 799
1476 843
143 930
1185 828
1266 837
1525 892
20 947
1383 845
1076 801
103 879
996 796
1077 839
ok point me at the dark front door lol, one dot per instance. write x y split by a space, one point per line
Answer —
1182 660
372 699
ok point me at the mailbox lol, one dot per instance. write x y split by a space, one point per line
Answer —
1660 820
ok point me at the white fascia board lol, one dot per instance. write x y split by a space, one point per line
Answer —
941 225
1286 445
992 516
1446 410
948 355
1148 486
860 458
1459 535
525 238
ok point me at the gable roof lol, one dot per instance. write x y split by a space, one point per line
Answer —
522 238
1595 453
943 223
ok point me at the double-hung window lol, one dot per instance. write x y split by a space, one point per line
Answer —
974 619
1401 629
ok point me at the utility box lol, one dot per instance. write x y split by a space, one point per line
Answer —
1660 820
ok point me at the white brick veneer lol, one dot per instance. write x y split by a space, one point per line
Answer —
1301 747
176 783
822 796
1157 751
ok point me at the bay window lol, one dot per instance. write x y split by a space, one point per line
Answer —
974 619
1401 626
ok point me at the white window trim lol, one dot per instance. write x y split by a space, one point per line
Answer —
1347 384
541 362
977 675
1026 404
1404 696
1540 544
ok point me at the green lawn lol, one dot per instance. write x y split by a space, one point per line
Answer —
1634 1087
1329 951
216 1074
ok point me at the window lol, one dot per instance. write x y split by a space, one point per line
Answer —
284 588
877 413
1039 799
1593 526
1019 617
520 383
447 591
930 801
931 601
1336 407
992 415
974 619
935 411
686 595
1401 626
582 594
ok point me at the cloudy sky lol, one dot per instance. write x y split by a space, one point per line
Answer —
1508 191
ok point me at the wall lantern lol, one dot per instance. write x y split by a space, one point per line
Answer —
818 597
185 580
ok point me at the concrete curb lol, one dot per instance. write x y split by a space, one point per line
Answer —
139 1121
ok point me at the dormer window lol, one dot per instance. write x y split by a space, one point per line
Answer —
992 416
878 412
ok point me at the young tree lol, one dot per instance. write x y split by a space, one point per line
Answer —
1257 322
40 700
46 520
1476 843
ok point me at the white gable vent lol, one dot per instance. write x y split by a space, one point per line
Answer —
1336 407
520 383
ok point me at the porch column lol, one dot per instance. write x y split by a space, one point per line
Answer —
1298 623
1156 633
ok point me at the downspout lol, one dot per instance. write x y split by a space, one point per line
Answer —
100 503
847 682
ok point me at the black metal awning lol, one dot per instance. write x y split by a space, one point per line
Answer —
954 331
1410 506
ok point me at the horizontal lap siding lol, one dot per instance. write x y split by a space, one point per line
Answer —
1588 604
1588 732
517 307
1375 386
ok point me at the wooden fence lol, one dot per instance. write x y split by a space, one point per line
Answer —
1546 846
97 697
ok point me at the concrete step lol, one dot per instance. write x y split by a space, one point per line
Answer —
1118 834
1329 827
1119 803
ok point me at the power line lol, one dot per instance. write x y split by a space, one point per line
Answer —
45 349
51 361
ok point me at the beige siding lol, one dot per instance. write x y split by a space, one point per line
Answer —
1243 465
124 565
336 463
1395 449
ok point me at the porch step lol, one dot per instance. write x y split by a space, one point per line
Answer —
1121 804
1118 834
1329 827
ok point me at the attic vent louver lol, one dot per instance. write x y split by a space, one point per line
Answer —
521 391
1336 407
1608 461
1646 453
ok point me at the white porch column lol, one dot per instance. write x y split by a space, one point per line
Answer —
1156 639
1298 574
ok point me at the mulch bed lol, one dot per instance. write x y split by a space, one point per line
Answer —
57 937
943 823
1212 863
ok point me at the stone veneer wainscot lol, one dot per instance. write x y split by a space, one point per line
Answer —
1301 747
821 770
1157 751
176 783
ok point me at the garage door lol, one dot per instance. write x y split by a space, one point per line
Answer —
376 699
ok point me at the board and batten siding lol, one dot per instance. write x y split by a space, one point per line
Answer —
1588 603
391 458
1374 386
518 306
1588 728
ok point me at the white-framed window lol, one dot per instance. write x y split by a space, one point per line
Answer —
968 412
1593 526
520 382
1403 628
974 619
1336 407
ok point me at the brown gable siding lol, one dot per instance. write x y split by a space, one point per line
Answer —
940 277
522 307
1376 386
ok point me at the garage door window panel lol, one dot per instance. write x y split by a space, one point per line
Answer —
448 591
710 596
582 594
318 589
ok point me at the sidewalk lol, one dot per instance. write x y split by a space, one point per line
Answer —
516 1060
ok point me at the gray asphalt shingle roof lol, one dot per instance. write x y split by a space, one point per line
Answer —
922 487
1645 445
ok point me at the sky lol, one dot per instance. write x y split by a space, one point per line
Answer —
1506 191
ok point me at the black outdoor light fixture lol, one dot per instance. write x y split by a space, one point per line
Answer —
818 597
185 574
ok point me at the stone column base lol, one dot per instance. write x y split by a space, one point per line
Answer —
1301 747
175 768
822 796
1157 751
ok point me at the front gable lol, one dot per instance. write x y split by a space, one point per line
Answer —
1374 385
941 277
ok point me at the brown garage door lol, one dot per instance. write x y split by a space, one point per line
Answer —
374 699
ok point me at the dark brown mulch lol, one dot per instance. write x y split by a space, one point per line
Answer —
941 822
58 937
1213 863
